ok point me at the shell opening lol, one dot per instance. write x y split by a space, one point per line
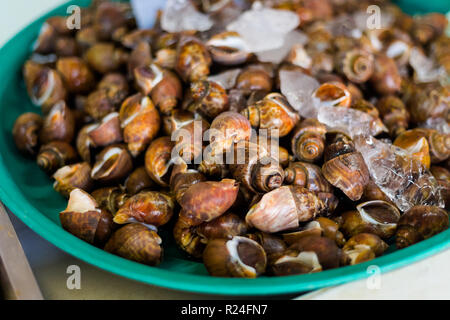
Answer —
230 41
307 258
80 201
232 247
366 216
109 154
358 252
48 92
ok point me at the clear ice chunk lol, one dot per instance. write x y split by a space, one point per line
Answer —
263 28
298 88
226 79
350 121
277 55
344 25
439 124
141 10
180 15
425 69
398 174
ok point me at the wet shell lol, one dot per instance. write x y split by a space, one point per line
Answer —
227 129
55 155
85 220
77 76
138 243
110 198
149 207
140 121
239 257
273 114
138 181
210 98
74 176
113 164
327 251
228 48
347 172
377 217
420 223
283 209
308 140
26 131
357 65
201 202
335 94
386 78
158 160
45 86
106 132
59 124
193 59
308 176
163 86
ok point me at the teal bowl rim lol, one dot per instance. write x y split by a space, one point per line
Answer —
13 198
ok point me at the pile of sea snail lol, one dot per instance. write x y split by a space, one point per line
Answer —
112 95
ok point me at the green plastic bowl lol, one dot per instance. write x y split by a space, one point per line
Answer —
28 193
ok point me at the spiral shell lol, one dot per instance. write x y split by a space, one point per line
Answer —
357 65
238 257
112 164
193 59
73 176
419 223
26 131
150 207
55 155
274 114
140 121
136 242
283 209
59 124
308 140
200 202
158 160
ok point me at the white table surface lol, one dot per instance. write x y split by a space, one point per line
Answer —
427 279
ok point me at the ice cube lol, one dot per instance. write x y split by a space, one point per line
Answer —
439 124
226 79
298 88
180 15
425 69
398 174
344 25
263 28
143 9
350 121
277 55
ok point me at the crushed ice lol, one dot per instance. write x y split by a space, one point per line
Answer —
350 121
398 174
263 28
226 79
181 15
278 54
298 89
425 69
